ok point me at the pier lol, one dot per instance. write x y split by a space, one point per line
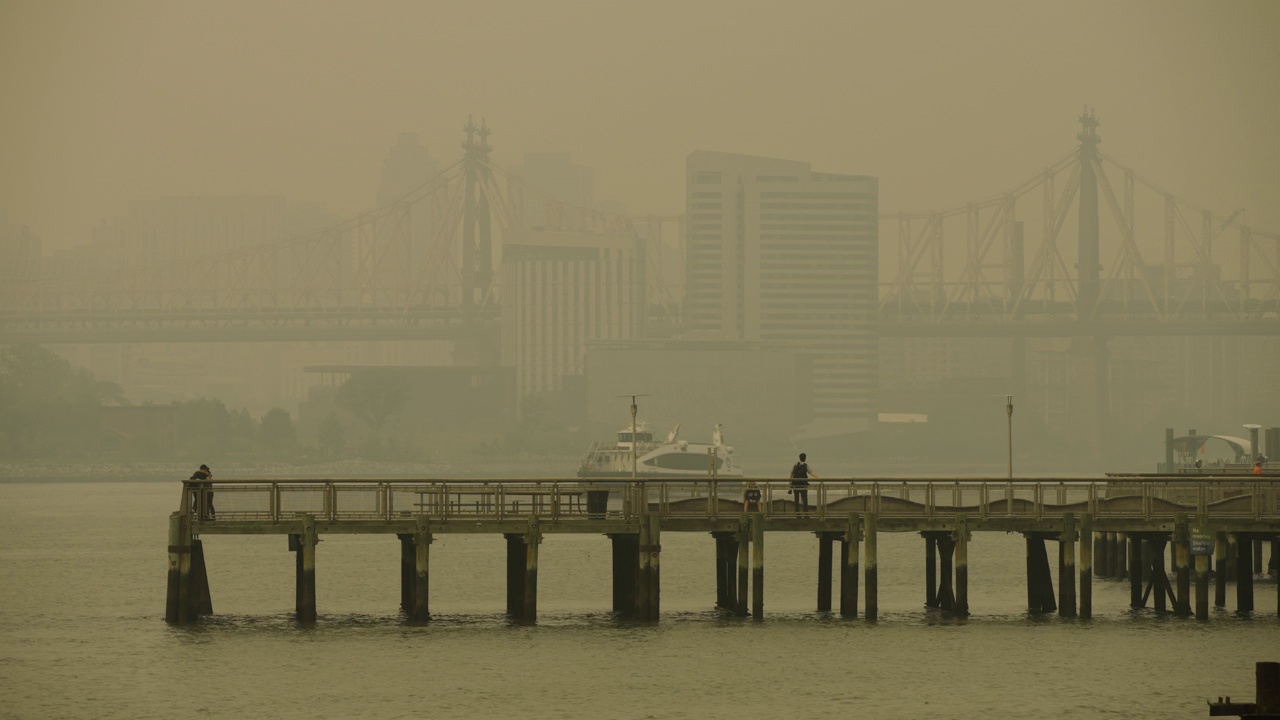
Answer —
1209 529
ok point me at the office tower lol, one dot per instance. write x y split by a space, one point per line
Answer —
782 254
552 185
562 290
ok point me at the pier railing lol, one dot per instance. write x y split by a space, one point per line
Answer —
334 500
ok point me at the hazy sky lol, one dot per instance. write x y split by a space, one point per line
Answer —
946 102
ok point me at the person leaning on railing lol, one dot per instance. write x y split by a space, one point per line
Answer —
204 493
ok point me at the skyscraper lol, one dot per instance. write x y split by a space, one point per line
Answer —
782 254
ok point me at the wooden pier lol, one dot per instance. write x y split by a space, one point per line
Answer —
1103 528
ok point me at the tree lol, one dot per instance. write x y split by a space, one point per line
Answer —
47 406
332 435
374 396
277 431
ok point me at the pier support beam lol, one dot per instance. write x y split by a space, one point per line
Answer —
1244 573
626 567
1202 574
1086 566
407 563
1182 565
849 568
305 550
946 551
179 607
726 579
648 583
744 563
873 583
1040 597
757 567
532 542
930 570
962 567
515 574
825 540
1122 556
421 571
1135 572
1220 570
1067 567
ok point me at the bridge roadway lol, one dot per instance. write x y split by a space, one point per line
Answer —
378 324
1119 525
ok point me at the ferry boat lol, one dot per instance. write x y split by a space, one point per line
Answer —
668 458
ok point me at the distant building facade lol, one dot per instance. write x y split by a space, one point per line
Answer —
561 291
552 184
779 253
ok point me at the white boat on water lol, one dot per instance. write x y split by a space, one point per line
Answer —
669 458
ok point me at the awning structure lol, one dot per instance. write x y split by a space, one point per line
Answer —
1194 446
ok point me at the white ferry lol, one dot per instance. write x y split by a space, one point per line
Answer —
669 458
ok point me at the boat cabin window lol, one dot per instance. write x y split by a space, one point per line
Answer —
683 461
625 437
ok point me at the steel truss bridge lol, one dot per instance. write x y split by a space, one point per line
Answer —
424 267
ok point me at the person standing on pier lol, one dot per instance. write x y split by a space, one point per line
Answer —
800 473
751 497
204 492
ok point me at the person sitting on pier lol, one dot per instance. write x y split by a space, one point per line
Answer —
203 493
1257 467
751 497
800 484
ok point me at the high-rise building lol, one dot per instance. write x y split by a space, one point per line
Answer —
562 290
552 185
782 254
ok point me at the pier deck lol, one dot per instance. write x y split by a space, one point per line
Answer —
1119 526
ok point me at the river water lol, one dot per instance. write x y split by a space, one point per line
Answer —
82 633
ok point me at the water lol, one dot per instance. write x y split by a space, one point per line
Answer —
82 633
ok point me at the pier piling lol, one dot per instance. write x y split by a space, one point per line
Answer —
532 541
849 568
825 540
962 567
1244 573
873 583
1182 566
1220 570
757 567
421 575
1136 598
744 560
1067 567
515 574
1086 566
305 560
930 570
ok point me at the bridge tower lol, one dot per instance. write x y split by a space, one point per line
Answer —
477 236
1090 358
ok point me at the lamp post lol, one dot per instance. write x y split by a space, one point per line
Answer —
1008 409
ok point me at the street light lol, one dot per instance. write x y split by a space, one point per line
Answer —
633 432
1008 408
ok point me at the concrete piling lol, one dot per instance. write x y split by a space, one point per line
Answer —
744 566
1182 566
946 571
757 567
1135 572
962 567
200 580
849 568
1067 567
655 567
873 584
421 571
1086 566
930 570
532 541
1244 573
305 599
178 607
516 557
1220 570
825 541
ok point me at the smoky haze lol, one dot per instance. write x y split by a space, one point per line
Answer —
944 102
302 110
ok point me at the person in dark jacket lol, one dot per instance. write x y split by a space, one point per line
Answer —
751 498
800 473
204 492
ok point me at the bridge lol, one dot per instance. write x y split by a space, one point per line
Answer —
1117 528
999 267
